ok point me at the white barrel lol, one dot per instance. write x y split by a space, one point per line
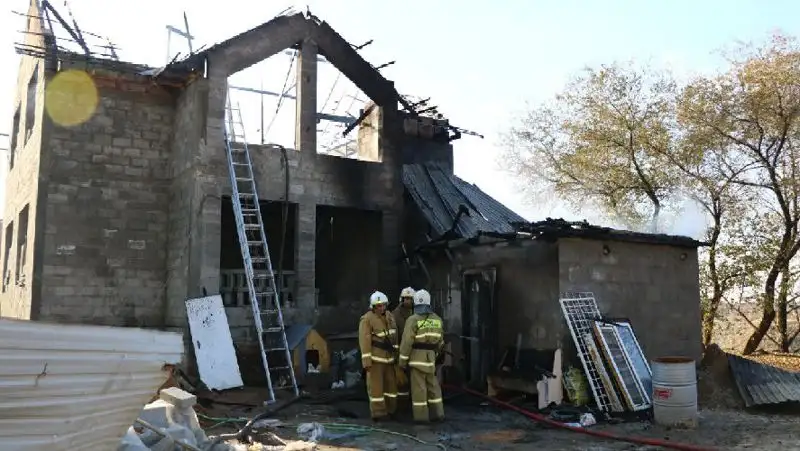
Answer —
674 392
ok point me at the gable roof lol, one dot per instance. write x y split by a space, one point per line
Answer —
285 31
440 195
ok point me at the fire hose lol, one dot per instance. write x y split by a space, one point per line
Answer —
544 420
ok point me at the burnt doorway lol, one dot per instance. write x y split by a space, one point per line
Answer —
479 324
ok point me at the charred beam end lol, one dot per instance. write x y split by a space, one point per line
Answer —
360 119
48 7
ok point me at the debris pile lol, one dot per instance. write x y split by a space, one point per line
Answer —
616 370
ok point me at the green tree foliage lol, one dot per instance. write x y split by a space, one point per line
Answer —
754 109
595 143
629 142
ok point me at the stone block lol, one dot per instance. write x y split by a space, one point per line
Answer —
178 398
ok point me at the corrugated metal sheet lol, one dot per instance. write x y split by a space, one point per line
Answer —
69 387
761 384
439 194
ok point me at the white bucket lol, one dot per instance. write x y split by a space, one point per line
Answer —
674 392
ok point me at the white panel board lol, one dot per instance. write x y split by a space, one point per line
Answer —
213 345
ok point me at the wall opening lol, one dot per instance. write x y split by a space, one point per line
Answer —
348 247
8 239
233 284
12 149
22 244
30 103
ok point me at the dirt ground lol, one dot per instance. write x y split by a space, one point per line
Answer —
475 425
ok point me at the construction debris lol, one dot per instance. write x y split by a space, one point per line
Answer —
167 423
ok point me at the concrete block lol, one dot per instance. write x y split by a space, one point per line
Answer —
178 398
157 413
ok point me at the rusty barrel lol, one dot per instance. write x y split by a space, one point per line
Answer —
674 392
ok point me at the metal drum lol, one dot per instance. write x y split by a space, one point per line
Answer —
674 392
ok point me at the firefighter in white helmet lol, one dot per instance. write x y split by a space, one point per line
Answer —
401 314
421 344
378 341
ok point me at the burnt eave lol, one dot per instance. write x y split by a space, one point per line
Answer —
554 229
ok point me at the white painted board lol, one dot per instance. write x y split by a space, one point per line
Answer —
213 345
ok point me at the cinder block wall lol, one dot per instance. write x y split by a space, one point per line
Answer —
104 248
655 286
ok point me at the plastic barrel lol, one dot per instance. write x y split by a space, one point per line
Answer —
674 392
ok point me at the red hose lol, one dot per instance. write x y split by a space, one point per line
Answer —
543 419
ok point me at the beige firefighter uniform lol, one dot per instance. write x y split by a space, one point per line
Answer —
401 314
422 342
377 339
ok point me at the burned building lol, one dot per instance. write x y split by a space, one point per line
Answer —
497 279
118 208
118 205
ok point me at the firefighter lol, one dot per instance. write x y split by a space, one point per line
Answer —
377 339
421 344
401 314
405 309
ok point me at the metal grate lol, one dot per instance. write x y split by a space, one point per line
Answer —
580 310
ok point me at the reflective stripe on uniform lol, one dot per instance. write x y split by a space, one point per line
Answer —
385 333
428 334
390 395
419 404
421 364
367 355
402 393
435 401
396 346
371 399
404 357
382 359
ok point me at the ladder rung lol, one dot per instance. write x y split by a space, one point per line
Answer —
272 330
241 194
278 368
254 243
244 179
274 349
258 259
252 226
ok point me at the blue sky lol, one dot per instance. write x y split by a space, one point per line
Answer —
480 61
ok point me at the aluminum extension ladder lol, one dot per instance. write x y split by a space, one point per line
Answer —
264 297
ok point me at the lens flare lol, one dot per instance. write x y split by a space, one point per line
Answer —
71 98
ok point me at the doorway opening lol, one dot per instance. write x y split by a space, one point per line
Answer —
479 324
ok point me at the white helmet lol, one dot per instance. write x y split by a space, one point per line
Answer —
377 298
407 292
422 297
